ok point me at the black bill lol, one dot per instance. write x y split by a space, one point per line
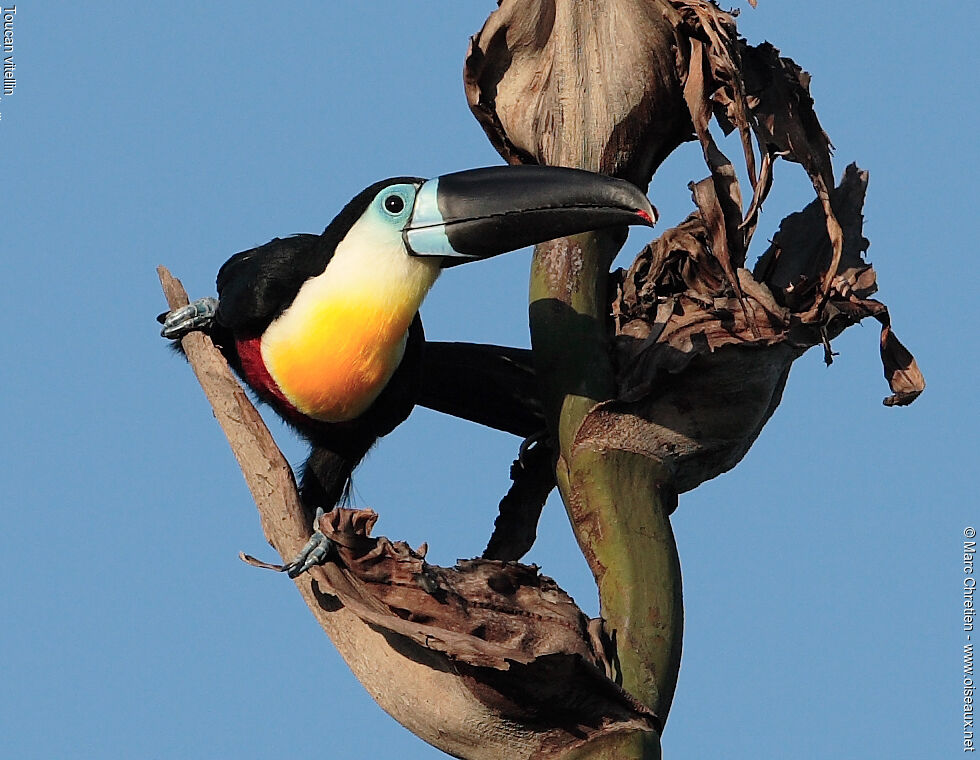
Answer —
480 213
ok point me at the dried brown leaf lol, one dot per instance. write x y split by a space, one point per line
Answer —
787 125
800 255
901 370
681 334
513 633
782 110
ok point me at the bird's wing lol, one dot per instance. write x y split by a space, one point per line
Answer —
256 285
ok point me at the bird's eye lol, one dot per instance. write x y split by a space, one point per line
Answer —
394 204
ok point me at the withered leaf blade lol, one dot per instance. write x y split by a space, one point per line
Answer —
709 66
801 254
901 370
757 92
797 262
784 118
521 641
787 125
478 611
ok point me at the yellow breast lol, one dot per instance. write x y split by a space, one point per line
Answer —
334 367
336 347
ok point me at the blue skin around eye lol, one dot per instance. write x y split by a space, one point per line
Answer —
406 193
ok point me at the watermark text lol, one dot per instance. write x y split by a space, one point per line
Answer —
9 78
969 615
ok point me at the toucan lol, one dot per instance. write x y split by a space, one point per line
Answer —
325 328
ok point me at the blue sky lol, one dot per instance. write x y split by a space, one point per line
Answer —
823 576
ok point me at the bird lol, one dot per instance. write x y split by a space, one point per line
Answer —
325 328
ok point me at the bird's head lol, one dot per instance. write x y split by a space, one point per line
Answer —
479 213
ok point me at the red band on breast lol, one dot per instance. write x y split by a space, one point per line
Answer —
257 374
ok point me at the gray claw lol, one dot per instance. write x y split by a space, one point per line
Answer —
314 553
197 315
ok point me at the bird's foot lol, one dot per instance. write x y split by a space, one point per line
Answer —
314 553
197 315
531 442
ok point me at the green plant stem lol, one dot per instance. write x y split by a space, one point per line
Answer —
567 315
621 746
614 498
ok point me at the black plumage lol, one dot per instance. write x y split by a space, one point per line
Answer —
254 288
